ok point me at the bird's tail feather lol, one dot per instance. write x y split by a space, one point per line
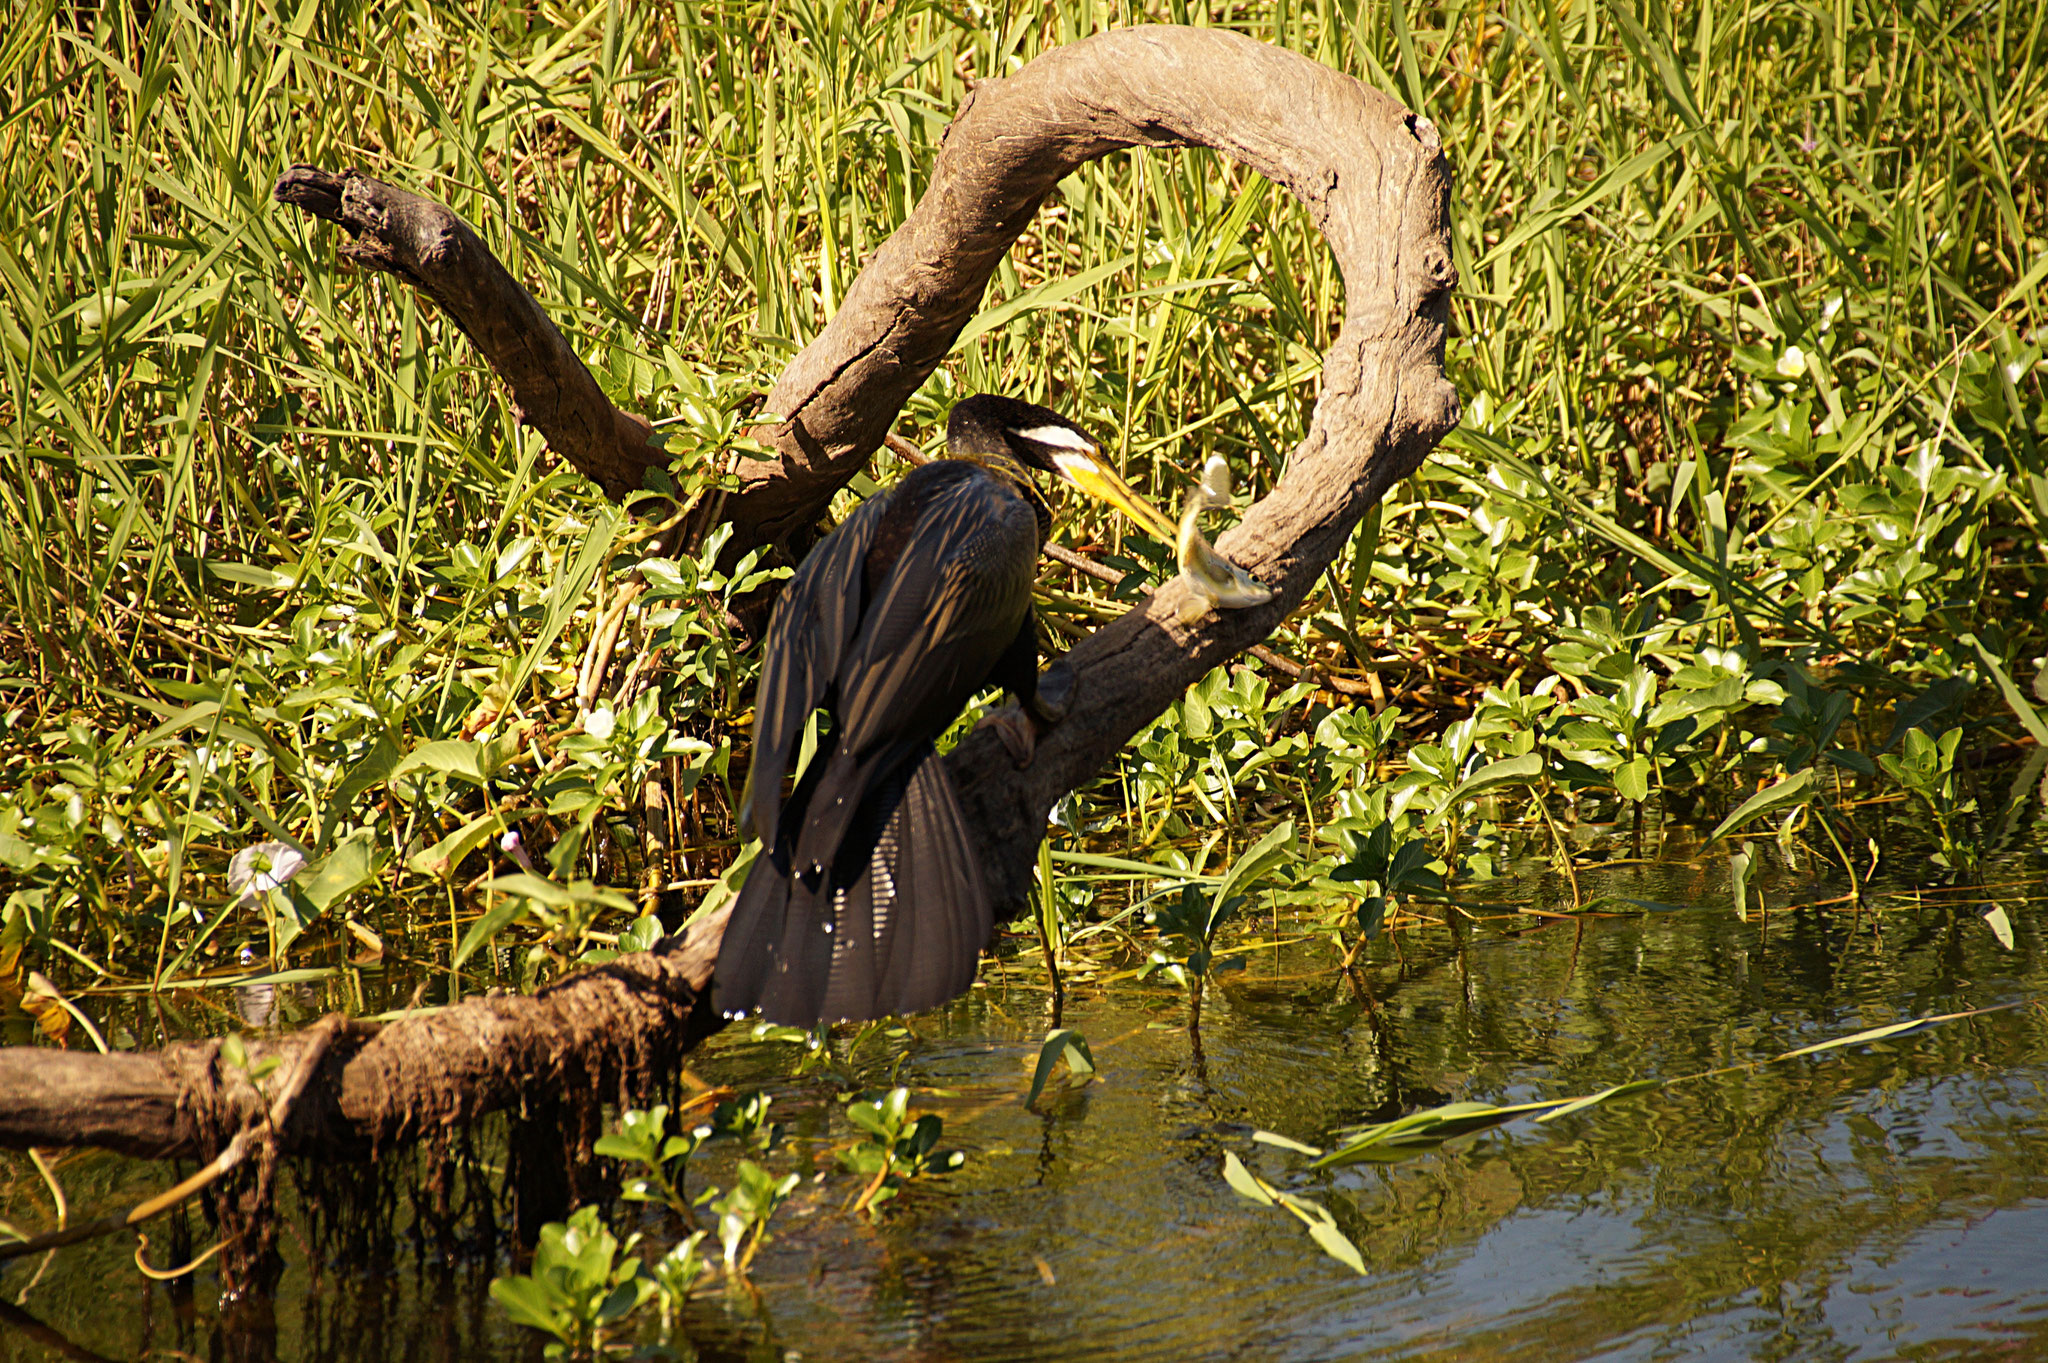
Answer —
895 924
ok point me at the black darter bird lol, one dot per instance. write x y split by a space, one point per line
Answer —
867 897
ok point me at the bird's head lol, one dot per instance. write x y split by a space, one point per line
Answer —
988 426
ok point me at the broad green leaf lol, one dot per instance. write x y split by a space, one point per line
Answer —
1321 1226
501 916
349 867
373 770
1244 1181
536 888
1794 789
444 856
1061 1042
529 1304
2000 925
1260 860
1632 778
449 755
1337 1245
1527 767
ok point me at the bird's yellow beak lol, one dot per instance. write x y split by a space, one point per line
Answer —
1086 471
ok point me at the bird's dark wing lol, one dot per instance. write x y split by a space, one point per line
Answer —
815 622
942 616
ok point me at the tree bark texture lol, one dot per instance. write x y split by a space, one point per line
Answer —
609 1032
1377 184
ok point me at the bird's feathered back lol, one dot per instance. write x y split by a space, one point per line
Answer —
867 899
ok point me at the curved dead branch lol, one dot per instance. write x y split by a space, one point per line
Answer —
439 254
1375 180
1372 175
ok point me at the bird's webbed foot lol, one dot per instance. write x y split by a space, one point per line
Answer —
1043 705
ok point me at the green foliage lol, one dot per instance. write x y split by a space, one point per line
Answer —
1384 869
583 1287
897 1148
745 1120
1926 769
1753 452
643 1139
1188 925
1743 527
745 1208
565 912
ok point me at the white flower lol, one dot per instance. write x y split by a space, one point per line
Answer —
259 869
1792 363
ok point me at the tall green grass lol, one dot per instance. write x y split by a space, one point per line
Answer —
1749 340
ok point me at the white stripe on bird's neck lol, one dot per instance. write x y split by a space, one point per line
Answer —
1060 437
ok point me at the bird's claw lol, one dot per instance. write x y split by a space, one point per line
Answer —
1014 727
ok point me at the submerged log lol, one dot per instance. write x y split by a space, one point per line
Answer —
610 1031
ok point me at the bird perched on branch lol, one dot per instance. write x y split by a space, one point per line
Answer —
867 897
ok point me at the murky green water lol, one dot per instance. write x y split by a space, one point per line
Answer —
1885 1202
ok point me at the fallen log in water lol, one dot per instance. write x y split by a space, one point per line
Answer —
351 1090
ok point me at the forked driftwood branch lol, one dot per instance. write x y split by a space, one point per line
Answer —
1377 184
1372 174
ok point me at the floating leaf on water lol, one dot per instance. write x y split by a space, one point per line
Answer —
1337 1245
1408 1136
1322 1227
1275 1138
2000 925
1244 1181
1864 1037
1595 1099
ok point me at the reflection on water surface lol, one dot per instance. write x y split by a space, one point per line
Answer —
1880 1202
